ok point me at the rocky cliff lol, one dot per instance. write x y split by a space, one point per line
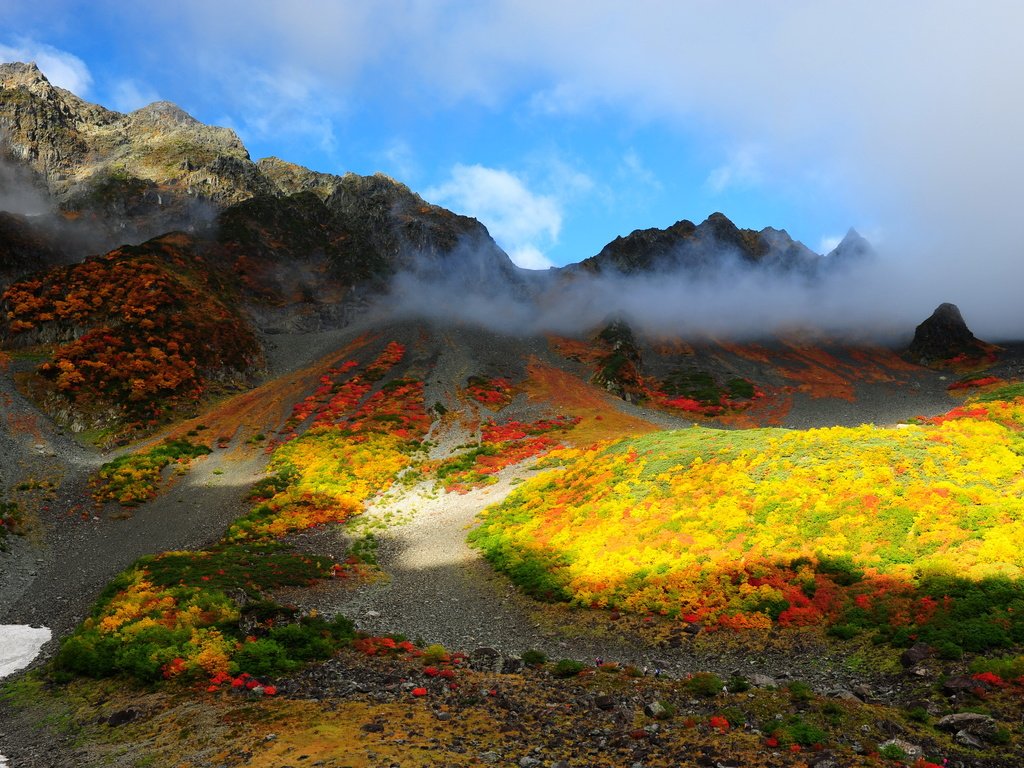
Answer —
701 247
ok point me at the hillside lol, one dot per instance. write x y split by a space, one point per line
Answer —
276 511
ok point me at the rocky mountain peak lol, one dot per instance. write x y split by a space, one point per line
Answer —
944 336
852 246
20 74
702 247
164 112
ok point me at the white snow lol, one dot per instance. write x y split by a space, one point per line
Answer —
19 644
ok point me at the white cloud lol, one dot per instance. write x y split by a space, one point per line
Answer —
400 161
287 101
61 68
829 243
128 95
635 170
521 221
529 257
741 169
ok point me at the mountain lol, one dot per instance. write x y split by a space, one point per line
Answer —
700 247
129 177
852 249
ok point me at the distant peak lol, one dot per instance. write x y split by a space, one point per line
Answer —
165 112
18 73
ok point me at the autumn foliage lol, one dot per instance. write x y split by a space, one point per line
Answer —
178 615
140 331
890 529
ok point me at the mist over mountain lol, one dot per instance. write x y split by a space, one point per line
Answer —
313 248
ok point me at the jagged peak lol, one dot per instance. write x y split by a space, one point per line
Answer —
165 112
19 73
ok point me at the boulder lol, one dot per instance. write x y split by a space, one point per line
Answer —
915 654
971 722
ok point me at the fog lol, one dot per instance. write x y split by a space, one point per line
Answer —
880 297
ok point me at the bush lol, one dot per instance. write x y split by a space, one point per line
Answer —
803 733
892 752
800 693
737 684
534 658
86 653
840 568
844 631
1007 667
435 654
566 668
704 684
264 657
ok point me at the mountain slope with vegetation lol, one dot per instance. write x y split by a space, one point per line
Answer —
713 560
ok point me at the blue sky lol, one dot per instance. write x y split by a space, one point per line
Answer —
564 124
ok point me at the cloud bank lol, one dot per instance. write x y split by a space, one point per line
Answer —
521 221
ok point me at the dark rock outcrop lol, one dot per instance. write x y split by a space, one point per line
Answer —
944 336
699 248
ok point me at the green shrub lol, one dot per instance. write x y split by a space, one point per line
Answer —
844 631
1007 667
892 752
534 658
87 653
434 654
919 715
568 668
263 657
803 733
737 684
840 568
800 693
704 684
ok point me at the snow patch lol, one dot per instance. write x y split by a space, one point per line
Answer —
19 644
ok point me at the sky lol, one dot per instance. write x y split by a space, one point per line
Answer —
561 125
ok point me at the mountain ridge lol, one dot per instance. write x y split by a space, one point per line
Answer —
157 169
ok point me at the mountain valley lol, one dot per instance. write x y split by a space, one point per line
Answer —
289 481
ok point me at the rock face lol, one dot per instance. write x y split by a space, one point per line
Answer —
944 336
700 248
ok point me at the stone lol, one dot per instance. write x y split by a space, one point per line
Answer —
823 759
915 654
972 722
528 762
604 702
968 739
511 665
959 684
490 757
656 709
485 660
123 717
762 681
943 336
